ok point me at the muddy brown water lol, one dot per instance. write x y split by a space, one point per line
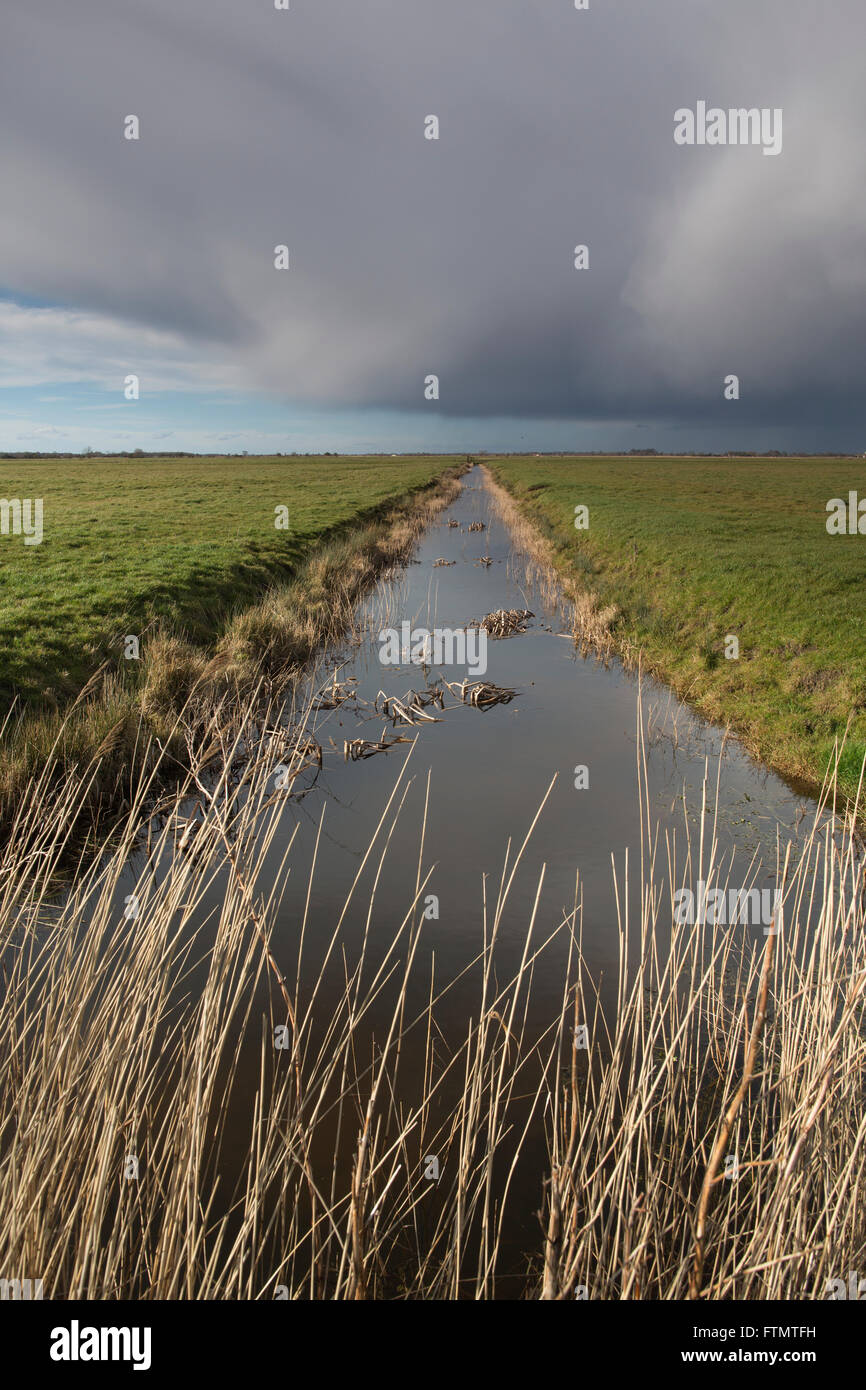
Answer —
489 771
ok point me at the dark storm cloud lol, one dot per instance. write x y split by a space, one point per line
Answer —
453 257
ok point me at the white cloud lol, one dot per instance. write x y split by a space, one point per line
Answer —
46 345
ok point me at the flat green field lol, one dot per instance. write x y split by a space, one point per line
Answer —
189 541
692 550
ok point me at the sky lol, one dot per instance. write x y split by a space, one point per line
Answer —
412 257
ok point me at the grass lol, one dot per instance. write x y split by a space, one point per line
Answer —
120 1040
184 543
681 553
216 615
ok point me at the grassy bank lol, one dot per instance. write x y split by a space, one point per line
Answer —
186 556
184 543
683 553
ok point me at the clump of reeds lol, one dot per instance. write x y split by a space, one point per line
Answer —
504 622
481 694
355 749
593 625
336 693
413 708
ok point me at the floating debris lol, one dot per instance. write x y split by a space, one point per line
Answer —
356 748
477 526
436 563
307 754
304 751
412 708
481 694
431 695
504 621
336 694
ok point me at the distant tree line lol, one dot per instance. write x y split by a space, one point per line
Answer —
470 458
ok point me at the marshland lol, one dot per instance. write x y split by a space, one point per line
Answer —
377 989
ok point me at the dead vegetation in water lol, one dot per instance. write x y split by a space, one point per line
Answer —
336 693
440 564
485 560
356 749
412 709
504 622
481 694
282 742
477 526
